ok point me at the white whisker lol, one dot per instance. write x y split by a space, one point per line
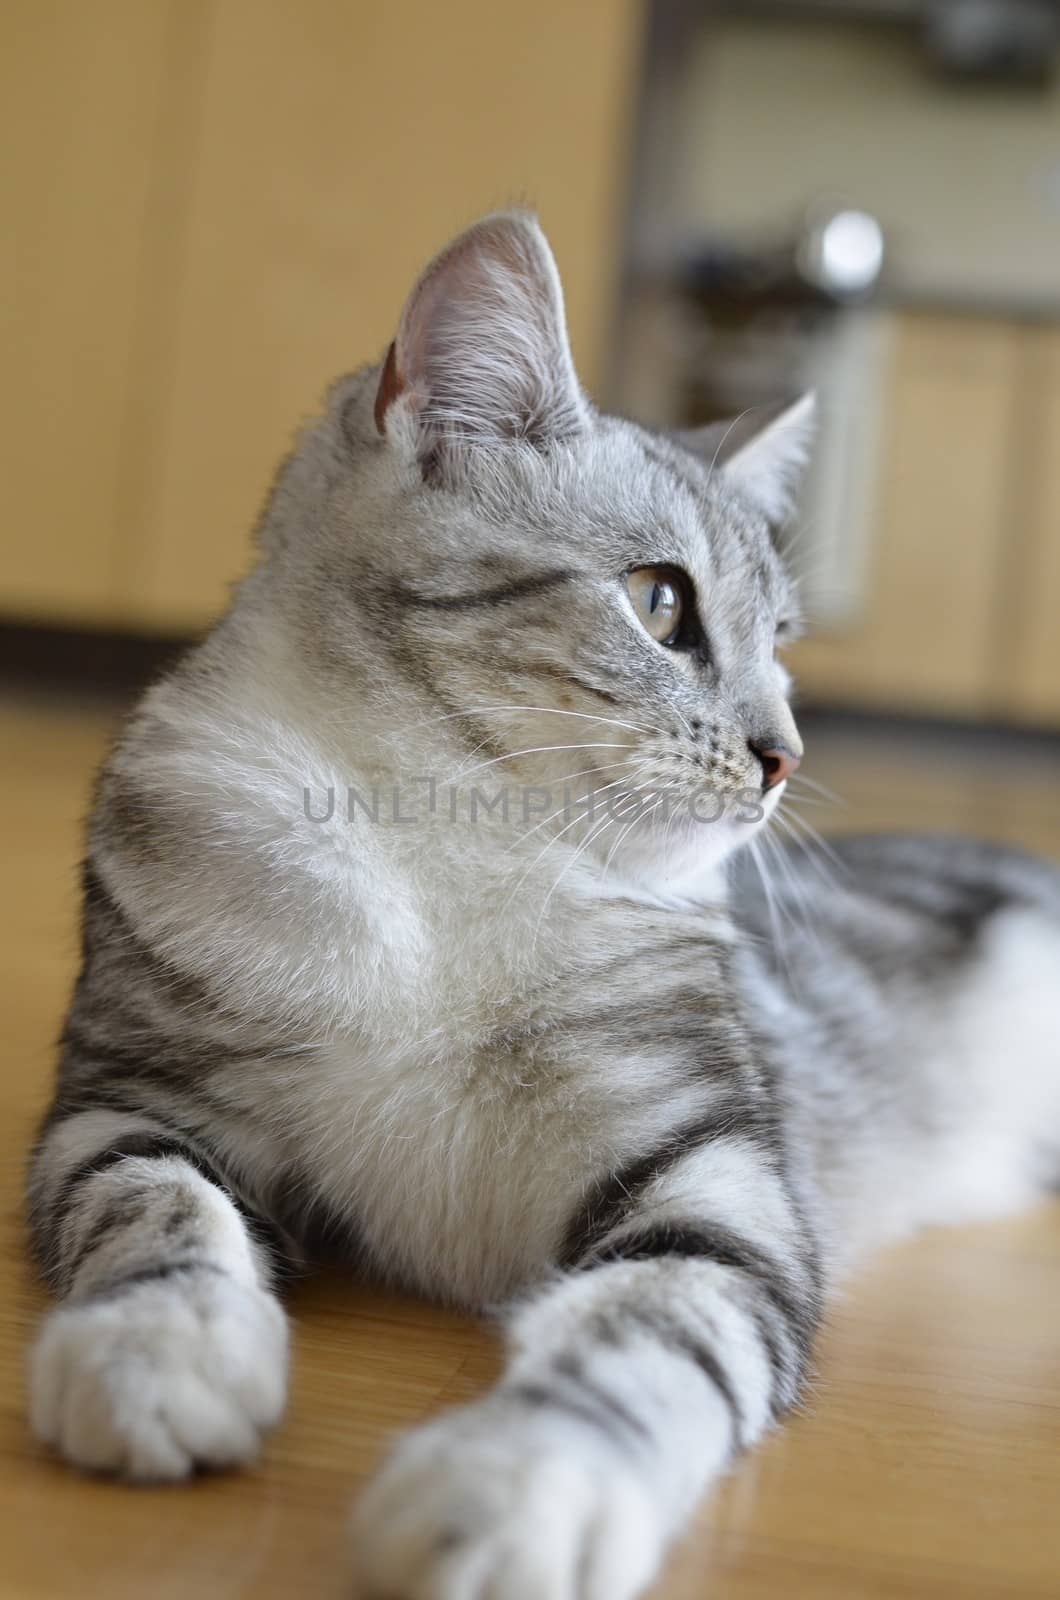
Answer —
801 779
594 834
626 831
817 840
606 767
515 709
558 835
537 750
755 847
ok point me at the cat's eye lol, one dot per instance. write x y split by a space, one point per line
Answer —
657 595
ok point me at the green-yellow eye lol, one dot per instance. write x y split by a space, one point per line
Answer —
656 598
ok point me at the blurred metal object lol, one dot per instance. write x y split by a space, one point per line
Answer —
1004 41
1013 41
841 252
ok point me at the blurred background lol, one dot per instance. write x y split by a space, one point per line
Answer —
214 206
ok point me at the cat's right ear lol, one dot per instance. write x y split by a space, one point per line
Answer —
481 359
761 453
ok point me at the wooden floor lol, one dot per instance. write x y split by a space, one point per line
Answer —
926 1462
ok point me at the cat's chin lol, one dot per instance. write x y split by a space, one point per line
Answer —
683 862
684 858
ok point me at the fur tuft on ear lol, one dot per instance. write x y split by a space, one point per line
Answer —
481 355
761 457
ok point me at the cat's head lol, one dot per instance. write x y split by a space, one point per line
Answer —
586 603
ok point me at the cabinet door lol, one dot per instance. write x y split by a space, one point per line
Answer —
1031 656
80 92
926 640
338 146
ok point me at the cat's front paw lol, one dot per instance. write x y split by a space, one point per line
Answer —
159 1377
496 1503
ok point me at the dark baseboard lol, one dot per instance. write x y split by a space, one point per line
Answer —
913 728
82 661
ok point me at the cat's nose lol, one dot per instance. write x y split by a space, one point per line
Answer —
778 763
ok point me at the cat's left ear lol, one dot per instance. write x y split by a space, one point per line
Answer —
481 356
761 455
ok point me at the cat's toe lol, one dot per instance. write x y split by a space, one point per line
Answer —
154 1380
483 1505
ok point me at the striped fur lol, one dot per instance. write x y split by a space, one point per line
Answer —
527 1055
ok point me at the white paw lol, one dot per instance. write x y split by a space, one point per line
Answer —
496 1503
161 1377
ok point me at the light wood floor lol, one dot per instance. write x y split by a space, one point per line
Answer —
926 1461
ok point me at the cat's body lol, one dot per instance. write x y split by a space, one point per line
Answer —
539 1057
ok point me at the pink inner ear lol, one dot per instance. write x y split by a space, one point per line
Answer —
391 385
453 298
481 345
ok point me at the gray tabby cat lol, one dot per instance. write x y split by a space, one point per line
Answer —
522 1052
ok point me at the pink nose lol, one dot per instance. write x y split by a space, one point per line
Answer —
778 763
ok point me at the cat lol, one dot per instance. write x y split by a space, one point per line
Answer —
418 933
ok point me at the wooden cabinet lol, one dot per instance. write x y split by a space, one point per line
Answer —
220 206
81 89
1032 639
963 575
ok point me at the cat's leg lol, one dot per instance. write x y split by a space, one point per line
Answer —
682 1332
168 1350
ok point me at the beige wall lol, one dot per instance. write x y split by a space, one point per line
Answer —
965 181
